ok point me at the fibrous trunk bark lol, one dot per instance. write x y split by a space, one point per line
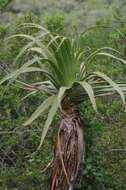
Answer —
69 150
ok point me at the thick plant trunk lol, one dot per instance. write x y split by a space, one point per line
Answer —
69 151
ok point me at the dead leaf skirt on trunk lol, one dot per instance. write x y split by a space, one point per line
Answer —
68 152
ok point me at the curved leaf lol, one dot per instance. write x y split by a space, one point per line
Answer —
113 84
88 88
16 73
52 112
43 107
34 25
29 37
112 56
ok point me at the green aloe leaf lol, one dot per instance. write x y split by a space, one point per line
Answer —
16 73
95 53
112 56
52 112
43 107
23 50
34 25
29 37
88 88
113 84
29 94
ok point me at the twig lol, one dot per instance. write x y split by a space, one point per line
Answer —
19 132
48 166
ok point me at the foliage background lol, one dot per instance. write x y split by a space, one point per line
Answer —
21 168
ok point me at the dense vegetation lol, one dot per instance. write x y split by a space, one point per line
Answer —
22 167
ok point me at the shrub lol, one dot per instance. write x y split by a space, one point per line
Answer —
55 23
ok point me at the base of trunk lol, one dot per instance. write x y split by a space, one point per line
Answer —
68 152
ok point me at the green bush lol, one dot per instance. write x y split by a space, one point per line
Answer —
4 3
55 23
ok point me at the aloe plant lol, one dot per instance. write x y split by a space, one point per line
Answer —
63 65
